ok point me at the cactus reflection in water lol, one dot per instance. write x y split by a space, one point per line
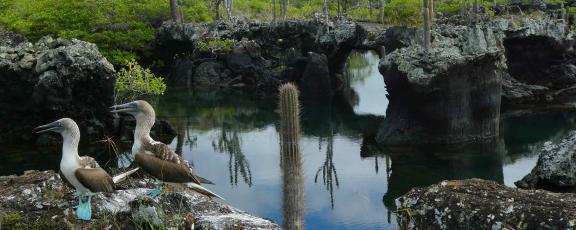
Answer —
329 175
290 158
237 164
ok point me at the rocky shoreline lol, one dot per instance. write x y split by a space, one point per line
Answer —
484 205
450 94
260 55
453 93
40 200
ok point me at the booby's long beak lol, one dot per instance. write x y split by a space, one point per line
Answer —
54 126
128 107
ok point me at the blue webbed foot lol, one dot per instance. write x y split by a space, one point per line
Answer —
155 192
84 210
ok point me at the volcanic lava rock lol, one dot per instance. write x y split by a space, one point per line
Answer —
449 94
460 204
51 79
42 200
556 167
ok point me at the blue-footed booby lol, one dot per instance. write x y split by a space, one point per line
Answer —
81 172
156 158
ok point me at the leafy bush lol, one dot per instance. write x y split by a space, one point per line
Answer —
120 28
403 12
215 45
133 81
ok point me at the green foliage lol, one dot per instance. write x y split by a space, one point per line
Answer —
359 66
403 12
133 81
11 220
14 220
195 10
120 28
123 28
216 45
554 2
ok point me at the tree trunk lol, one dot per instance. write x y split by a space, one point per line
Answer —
229 4
217 8
475 11
273 10
381 9
285 8
174 11
431 12
426 15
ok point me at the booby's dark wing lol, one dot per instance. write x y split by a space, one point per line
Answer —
167 165
85 162
95 179
160 150
203 180
165 170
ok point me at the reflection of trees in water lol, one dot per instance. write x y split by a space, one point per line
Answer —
370 148
386 165
358 66
237 164
328 170
191 141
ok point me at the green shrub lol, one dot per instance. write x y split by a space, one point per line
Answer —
11 220
216 45
133 81
120 28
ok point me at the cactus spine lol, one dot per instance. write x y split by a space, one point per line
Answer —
290 159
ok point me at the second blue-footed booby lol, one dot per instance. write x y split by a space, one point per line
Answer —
81 172
156 158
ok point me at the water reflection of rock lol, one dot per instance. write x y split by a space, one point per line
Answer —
425 165
525 135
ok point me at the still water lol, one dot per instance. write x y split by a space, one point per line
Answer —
348 182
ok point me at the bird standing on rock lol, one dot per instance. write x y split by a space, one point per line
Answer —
156 158
83 173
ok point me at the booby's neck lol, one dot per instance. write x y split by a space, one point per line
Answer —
70 147
144 124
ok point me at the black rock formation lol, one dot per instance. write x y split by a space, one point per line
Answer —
51 79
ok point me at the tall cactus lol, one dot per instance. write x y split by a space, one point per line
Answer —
289 113
290 159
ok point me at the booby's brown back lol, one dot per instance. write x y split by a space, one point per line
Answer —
165 170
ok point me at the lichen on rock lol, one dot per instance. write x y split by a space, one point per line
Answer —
556 167
59 78
460 204
41 197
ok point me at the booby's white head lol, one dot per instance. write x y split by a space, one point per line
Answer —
65 127
141 110
145 118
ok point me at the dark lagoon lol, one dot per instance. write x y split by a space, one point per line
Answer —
349 183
